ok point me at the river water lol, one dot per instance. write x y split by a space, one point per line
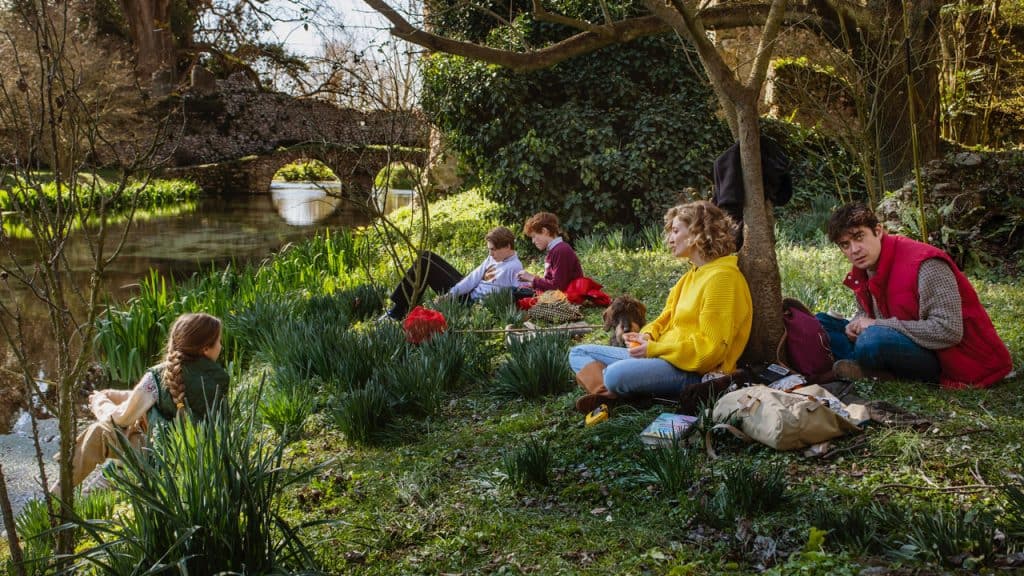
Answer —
238 229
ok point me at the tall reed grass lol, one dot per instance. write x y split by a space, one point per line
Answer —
535 367
129 341
289 400
90 195
528 464
36 529
203 500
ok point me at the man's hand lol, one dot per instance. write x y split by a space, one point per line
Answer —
525 276
856 326
636 343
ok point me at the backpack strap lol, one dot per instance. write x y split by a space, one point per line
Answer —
709 444
161 395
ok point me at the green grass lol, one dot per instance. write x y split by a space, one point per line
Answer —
422 474
93 194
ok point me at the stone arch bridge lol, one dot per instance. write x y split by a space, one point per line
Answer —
235 137
354 166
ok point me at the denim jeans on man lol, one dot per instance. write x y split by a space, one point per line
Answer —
881 348
627 376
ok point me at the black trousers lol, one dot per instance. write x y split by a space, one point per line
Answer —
429 269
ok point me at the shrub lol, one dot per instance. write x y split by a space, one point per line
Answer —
398 176
594 140
535 367
151 194
529 464
305 171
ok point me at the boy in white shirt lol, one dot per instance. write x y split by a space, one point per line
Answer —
497 272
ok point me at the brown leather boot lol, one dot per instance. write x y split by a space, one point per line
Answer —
591 378
589 402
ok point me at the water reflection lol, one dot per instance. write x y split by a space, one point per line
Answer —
305 203
392 199
239 229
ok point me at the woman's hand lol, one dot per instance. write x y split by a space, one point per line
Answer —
101 405
637 344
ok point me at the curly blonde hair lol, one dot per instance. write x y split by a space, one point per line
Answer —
712 231
191 335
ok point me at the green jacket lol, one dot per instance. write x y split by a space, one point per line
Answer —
206 386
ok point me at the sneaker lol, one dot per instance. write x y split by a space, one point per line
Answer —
850 370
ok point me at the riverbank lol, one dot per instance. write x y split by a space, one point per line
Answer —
424 486
21 467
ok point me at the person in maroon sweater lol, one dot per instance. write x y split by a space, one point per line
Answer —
561 266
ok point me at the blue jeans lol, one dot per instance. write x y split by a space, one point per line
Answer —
881 348
627 376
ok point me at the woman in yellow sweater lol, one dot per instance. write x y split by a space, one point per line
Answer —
703 328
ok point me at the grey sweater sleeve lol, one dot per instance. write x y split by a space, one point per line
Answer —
941 323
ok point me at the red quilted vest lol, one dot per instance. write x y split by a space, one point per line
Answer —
980 359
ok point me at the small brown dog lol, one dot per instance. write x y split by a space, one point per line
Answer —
625 314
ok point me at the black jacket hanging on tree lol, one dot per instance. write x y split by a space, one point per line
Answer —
728 177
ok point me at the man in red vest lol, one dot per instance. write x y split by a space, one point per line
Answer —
918 316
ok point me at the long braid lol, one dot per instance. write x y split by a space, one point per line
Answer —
191 335
172 378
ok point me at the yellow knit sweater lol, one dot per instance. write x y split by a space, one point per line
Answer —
706 321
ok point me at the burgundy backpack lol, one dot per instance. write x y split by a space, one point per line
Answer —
807 346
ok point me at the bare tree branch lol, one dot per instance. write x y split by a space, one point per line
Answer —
591 38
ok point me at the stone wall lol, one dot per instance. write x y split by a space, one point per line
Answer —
805 93
238 120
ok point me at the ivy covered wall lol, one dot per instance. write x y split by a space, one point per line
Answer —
611 137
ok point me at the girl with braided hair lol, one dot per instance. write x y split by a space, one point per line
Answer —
188 380
703 327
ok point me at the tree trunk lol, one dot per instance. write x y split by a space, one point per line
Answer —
12 530
757 257
892 125
149 27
